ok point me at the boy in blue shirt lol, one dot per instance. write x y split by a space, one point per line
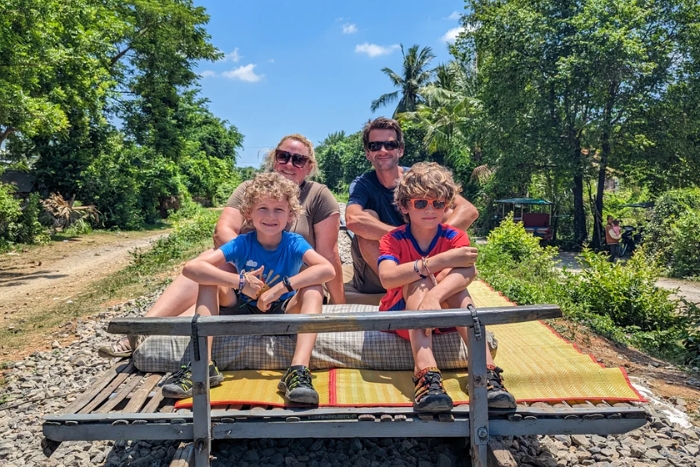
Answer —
268 260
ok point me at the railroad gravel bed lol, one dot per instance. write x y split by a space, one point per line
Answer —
46 382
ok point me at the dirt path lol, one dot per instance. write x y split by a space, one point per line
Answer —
41 276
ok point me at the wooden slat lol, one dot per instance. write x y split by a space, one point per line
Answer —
184 456
98 386
139 397
121 395
156 400
499 455
107 391
337 322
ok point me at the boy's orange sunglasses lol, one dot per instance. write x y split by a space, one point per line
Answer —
423 203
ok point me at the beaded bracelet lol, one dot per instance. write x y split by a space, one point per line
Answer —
241 281
415 268
432 276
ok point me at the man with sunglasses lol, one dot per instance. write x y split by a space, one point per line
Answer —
371 211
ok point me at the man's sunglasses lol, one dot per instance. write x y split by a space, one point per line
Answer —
377 145
423 203
298 160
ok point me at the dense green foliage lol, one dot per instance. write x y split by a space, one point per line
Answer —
673 232
620 301
70 70
19 220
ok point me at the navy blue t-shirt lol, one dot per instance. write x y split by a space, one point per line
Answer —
368 193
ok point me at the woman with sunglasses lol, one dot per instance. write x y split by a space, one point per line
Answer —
319 224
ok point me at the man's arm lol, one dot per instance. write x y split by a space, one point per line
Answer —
462 215
364 224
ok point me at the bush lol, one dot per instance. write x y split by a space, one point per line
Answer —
625 292
668 238
619 301
513 262
685 249
10 212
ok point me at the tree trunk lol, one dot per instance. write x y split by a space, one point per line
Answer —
599 236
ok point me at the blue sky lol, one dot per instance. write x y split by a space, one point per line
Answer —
312 67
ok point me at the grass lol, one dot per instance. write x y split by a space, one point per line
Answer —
148 271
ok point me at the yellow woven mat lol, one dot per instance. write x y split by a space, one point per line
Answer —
538 366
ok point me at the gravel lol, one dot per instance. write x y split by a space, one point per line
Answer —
46 382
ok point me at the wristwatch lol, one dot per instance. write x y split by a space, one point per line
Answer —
285 282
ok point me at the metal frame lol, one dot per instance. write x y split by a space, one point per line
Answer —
204 424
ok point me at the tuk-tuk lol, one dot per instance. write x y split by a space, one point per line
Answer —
534 213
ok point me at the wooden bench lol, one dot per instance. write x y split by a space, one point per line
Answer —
126 404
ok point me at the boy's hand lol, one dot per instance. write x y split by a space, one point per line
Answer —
471 254
429 303
269 296
253 282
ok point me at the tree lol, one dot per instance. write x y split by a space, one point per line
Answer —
414 76
561 83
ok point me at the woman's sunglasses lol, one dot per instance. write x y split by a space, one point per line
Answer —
298 160
423 203
377 145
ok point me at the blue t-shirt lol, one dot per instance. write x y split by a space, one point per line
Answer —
247 254
367 192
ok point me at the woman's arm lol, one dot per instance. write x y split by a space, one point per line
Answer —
326 234
228 226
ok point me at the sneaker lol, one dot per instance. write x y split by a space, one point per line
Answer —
499 399
179 385
297 387
430 395
122 349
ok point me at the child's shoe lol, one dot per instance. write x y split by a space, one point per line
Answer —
430 395
179 385
499 399
297 387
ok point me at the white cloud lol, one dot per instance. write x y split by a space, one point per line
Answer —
243 73
451 35
207 74
349 28
374 50
272 60
454 15
233 56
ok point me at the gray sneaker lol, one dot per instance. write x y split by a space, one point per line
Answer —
297 387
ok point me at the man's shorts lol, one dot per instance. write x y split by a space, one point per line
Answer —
364 279
244 306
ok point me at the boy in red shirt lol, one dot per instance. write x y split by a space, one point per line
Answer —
427 265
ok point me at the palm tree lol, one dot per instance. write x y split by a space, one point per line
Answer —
415 76
450 110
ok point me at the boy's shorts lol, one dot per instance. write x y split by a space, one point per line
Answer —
244 307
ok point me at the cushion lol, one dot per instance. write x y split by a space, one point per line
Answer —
363 350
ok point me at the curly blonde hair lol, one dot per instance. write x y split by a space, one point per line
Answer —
270 158
271 185
426 180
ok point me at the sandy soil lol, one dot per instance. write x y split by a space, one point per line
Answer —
37 277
